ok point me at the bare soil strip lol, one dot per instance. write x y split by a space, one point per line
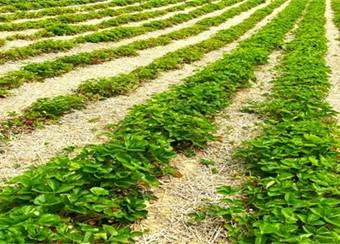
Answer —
86 47
168 220
333 59
81 127
30 92
5 34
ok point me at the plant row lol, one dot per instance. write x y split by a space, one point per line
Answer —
97 194
64 10
51 109
114 34
79 17
40 71
293 194
13 5
61 29
336 12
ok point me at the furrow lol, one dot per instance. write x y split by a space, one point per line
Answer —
29 92
5 34
77 128
333 60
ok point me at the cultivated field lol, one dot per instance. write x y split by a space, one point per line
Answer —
169 121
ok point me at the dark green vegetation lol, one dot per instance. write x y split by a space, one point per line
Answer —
61 28
65 19
122 84
293 194
97 194
65 10
114 34
336 12
39 71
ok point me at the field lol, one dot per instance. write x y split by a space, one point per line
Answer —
169 121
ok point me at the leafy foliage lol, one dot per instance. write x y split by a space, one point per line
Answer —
53 28
336 12
293 196
121 84
39 71
76 198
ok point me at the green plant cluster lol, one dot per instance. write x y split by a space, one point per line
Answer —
113 34
39 71
13 5
97 194
121 84
64 10
48 46
66 19
60 29
336 12
293 194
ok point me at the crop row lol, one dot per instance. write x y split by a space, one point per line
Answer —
64 10
79 17
51 109
61 29
40 71
13 5
113 34
97 194
293 194
336 11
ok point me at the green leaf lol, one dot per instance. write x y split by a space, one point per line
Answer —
98 191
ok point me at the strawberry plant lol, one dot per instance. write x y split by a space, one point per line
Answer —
96 195
292 196
33 72
121 84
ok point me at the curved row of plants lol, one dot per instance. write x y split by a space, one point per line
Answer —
35 72
62 29
99 193
13 5
336 12
293 193
51 109
113 34
23 14
79 17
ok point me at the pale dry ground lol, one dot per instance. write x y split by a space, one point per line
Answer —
77 129
5 34
30 92
87 47
80 12
333 60
168 220
22 43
